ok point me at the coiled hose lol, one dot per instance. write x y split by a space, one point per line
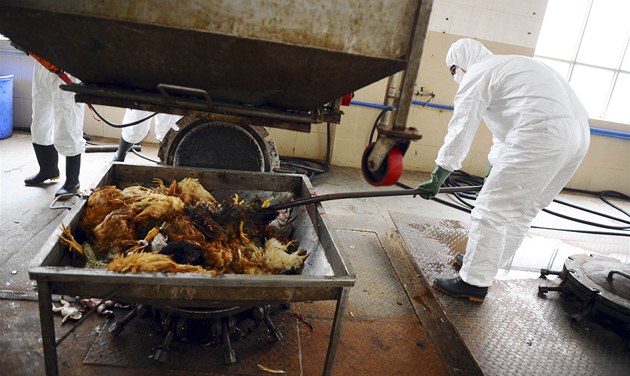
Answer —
461 178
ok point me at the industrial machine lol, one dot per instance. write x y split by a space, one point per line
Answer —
599 288
234 66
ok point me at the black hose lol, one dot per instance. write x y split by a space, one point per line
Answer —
307 166
122 125
375 126
461 178
144 156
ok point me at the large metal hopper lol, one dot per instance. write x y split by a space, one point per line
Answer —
284 54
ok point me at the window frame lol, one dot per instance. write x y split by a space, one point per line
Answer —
573 63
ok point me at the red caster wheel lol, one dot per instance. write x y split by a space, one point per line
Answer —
347 99
390 170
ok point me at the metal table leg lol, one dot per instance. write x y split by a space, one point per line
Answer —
48 328
335 332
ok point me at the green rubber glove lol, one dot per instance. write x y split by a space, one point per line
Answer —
432 186
488 174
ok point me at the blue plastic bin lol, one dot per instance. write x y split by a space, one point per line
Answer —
6 106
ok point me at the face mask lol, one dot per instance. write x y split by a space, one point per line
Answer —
459 74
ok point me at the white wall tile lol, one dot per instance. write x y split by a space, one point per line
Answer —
441 17
9 64
486 4
505 21
22 109
523 8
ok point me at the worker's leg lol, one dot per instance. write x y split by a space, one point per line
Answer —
535 165
517 229
42 127
164 122
69 141
134 134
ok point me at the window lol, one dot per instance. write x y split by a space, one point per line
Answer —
587 42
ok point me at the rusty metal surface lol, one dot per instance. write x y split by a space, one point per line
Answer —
279 53
384 346
514 332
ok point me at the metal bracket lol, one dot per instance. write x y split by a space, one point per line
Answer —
53 204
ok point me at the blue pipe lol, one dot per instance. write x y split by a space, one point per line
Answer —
594 131
434 105
610 133
368 104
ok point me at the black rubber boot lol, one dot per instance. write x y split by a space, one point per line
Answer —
47 159
123 149
459 260
73 168
457 288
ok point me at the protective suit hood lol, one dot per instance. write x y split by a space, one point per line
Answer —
465 53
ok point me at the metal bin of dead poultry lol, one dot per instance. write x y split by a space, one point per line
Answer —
326 274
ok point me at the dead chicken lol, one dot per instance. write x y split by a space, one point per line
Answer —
189 190
152 262
85 250
102 201
156 206
279 260
181 227
67 311
114 232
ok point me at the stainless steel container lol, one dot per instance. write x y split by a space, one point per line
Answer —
326 275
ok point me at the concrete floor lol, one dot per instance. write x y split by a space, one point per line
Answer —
385 331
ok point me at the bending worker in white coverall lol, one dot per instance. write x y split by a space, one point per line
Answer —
136 133
540 135
57 126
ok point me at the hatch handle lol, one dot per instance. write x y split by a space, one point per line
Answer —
610 275
168 91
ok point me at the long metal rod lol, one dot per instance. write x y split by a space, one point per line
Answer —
363 194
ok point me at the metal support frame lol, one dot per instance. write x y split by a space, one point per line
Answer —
47 323
198 105
50 342
416 46
335 332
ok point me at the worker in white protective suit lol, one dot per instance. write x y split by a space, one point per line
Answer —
56 127
540 135
134 134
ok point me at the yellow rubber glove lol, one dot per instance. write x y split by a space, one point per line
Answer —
432 186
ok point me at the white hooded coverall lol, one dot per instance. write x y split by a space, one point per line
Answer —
540 135
57 118
136 133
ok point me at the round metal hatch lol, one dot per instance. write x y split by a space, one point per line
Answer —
603 283
219 145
